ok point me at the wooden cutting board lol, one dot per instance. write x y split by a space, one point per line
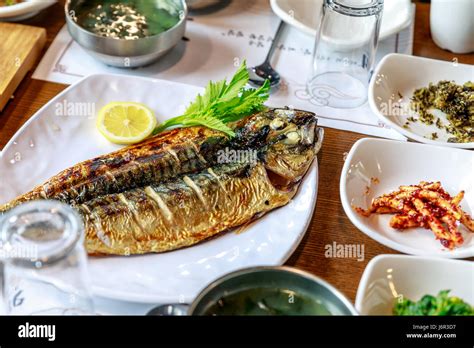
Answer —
20 48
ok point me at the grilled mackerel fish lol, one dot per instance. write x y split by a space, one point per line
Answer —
182 187
157 158
166 155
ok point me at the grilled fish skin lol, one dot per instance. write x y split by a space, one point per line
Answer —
156 158
194 207
181 212
172 190
175 152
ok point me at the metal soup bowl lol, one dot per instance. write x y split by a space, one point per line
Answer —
287 278
124 53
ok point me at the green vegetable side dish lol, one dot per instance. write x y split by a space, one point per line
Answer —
127 19
456 101
221 104
441 305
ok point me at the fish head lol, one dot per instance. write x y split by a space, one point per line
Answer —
292 144
288 140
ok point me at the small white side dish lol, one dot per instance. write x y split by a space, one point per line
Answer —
394 163
390 277
396 78
304 15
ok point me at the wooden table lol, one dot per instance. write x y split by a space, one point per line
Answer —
329 223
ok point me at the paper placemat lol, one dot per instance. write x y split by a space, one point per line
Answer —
216 43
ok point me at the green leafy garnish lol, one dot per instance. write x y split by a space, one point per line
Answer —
222 103
443 304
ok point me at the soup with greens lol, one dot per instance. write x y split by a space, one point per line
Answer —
127 19
267 301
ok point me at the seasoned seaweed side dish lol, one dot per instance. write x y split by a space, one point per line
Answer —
456 101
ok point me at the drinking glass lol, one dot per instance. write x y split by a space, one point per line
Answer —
44 261
344 52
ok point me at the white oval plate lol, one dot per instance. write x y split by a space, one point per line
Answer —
23 10
396 163
304 15
389 277
403 74
49 142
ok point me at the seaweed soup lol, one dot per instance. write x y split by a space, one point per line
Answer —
127 19
267 301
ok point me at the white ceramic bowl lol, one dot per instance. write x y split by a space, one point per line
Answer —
390 277
396 78
304 15
396 163
23 10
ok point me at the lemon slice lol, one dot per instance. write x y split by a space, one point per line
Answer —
125 122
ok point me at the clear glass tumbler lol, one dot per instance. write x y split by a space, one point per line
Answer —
44 261
344 52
